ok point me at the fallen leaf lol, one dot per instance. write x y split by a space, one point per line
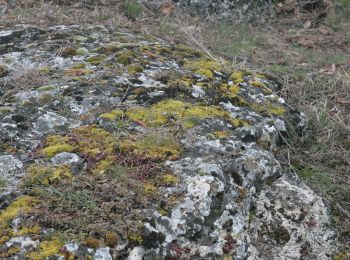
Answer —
325 30
307 43
167 8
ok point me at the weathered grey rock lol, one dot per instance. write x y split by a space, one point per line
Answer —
103 254
11 170
65 158
228 194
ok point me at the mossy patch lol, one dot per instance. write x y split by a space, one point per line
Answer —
228 91
125 57
133 69
55 144
23 204
41 175
46 248
238 76
161 147
170 179
203 67
113 115
46 88
96 60
269 109
176 111
73 72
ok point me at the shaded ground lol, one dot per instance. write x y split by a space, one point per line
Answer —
309 54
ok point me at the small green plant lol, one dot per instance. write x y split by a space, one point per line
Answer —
133 9
3 183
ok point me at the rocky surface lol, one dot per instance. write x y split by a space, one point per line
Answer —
235 10
121 146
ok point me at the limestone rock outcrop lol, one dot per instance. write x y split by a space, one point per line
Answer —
115 145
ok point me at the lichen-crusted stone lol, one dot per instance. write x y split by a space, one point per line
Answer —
126 147
11 170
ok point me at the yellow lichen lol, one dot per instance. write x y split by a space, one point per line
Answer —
21 205
46 248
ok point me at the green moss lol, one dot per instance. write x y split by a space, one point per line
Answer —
133 69
92 242
113 115
205 72
203 67
45 99
268 108
69 51
238 76
184 51
3 71
55 144
125 57
5 110
170 179
92 141
111 239
13 250
46 249
96 60
79 66
82 51
136 238
228 91
73 72
177 111
103 165
261 85
161 147
23 204
46 88
162 211
138 91
79 38
41 175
